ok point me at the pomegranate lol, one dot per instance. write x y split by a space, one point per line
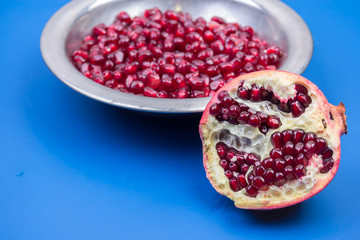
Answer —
271 139
170 55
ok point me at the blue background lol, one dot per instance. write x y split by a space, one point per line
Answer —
74 168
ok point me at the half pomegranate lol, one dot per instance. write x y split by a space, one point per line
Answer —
271 139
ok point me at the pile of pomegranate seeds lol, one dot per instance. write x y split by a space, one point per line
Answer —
287 161
239 113
170 55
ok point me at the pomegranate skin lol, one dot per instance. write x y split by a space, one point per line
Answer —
322 118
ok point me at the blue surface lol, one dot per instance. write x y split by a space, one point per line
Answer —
74 168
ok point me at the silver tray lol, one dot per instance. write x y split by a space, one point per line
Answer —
271 19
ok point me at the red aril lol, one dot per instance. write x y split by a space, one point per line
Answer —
278 163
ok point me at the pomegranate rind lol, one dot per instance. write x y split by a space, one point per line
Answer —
333 128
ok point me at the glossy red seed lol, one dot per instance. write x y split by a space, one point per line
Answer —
137 87
328 153
298 148
268 163
222 94
233 166
301 89
300 159
297 109
224 164
255 94
276 153
234 185
327 165
269 175
244 117
252 158
240 157
289 173
251 191
279 179
300 171
289 160
287 135
259 171
309 149
214 109
241 181
227 101
298 135
288 148
279 164
254 121
273 122
244 168
221 149
243 93
304 99
234 111
321 145
149 92
276 139
259 182
310 136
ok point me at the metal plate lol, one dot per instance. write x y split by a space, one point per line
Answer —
271 19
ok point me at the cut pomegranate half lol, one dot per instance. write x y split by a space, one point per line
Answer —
271 139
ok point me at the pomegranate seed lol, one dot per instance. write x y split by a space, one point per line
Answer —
304 100
327 153
327 165
259 182
254 121
289 173
300 171
251 191
276 153
276 139
259 171
288 148
273 122
300 159
296 109
136 87
298 148
310 136
269 175
214 109
244 168
255 94
149 92
233 166
241 181
268 163
252 158
301 89
309 149
279 164
229 174
221 149
234 185
298 135
279 179
321 145
243 93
